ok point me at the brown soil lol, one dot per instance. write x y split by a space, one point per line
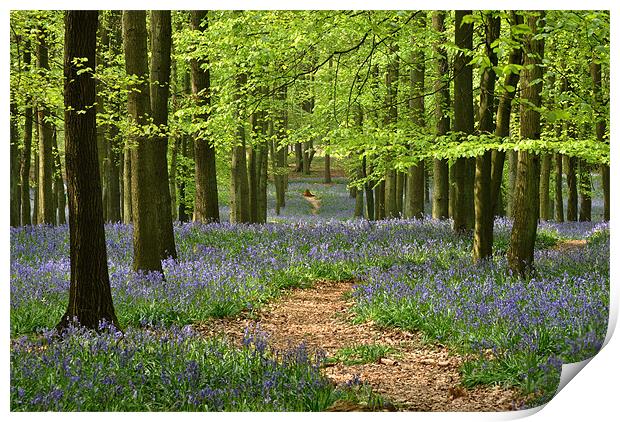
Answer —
568 245
314 203
416 377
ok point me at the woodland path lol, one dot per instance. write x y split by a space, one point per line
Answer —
416 377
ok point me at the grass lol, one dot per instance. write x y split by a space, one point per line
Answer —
361 354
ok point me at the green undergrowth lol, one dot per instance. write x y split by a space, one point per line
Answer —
361 354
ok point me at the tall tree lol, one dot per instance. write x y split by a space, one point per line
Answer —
442 117
595 73
414 206
483 206
206 208
146 247
90 297
463 123
239 181
504 110
161 45
114 144
15 190
526 206
45 211
59 186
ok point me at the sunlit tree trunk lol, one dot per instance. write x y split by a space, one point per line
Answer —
206 208
414 203
483 209
463 123
502 124
90 297
15 190
146 245
239 190
442 119
45 211
59 186
25 168
526 198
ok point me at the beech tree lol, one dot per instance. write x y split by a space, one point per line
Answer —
526 198
206 208
90 298
144 203
161 45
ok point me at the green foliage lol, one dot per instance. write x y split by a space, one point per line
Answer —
361 354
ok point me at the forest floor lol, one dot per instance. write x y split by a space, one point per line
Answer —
413 376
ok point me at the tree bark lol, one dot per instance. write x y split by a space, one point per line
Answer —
35 207
370 198
127 215
161 46
483 205
545 172
206 208
90 297
414 204
571 181
144 205
442 103
15 190
25 169
463 123
502 122
59 186
239 189
585 192
559 201
45 210
114 143
526 200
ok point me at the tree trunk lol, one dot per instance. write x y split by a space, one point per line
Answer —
414 206
102 130
571 181
483 205
601 119
206 208
45 211
114 143
15 190
526 207
90 297
502 122
59 186
299 157
25 168
442 103
327 178
161 45
559 201
545 172
144 204
239 190
585 192
127 215
463 123
35 207
370 197
379 195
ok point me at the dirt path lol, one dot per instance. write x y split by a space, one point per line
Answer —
417 377
314 203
